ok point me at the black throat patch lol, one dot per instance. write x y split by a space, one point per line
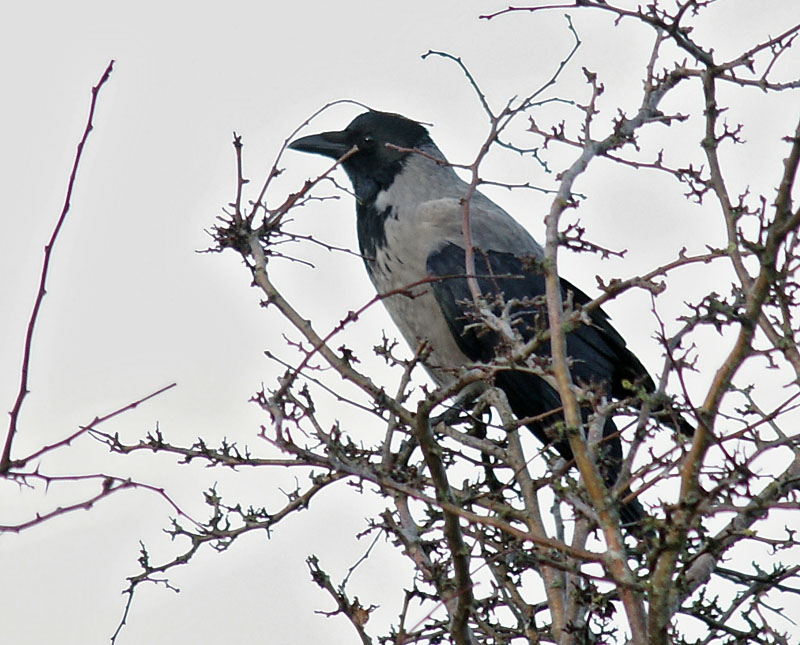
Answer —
371 227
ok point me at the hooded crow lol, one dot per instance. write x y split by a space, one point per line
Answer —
409 206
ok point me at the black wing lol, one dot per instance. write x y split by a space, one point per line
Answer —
597 352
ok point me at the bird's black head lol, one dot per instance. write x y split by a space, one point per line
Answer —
375 164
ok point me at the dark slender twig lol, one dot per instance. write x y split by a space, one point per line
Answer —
22 392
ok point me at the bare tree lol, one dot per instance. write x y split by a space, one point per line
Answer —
509 543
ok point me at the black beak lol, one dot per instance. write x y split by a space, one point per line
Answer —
328 144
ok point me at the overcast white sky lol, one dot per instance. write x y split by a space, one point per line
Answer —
132 307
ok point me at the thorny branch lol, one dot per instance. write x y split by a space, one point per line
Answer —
468 496
29 471
22 392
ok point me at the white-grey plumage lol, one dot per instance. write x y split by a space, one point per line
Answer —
426 213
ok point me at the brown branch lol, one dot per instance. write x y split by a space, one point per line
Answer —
554 580
109 485
757 290
211 534
596 489
701 567
90 427
676 32
460 599
356 614
13 429
366 472
598 493
304 326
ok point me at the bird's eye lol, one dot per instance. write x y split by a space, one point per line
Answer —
368 139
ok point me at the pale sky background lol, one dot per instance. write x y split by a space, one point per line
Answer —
132 307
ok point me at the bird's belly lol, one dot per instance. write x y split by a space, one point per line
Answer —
417 314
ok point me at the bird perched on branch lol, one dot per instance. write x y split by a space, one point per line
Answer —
410 216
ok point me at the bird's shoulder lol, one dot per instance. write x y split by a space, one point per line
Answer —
491 228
